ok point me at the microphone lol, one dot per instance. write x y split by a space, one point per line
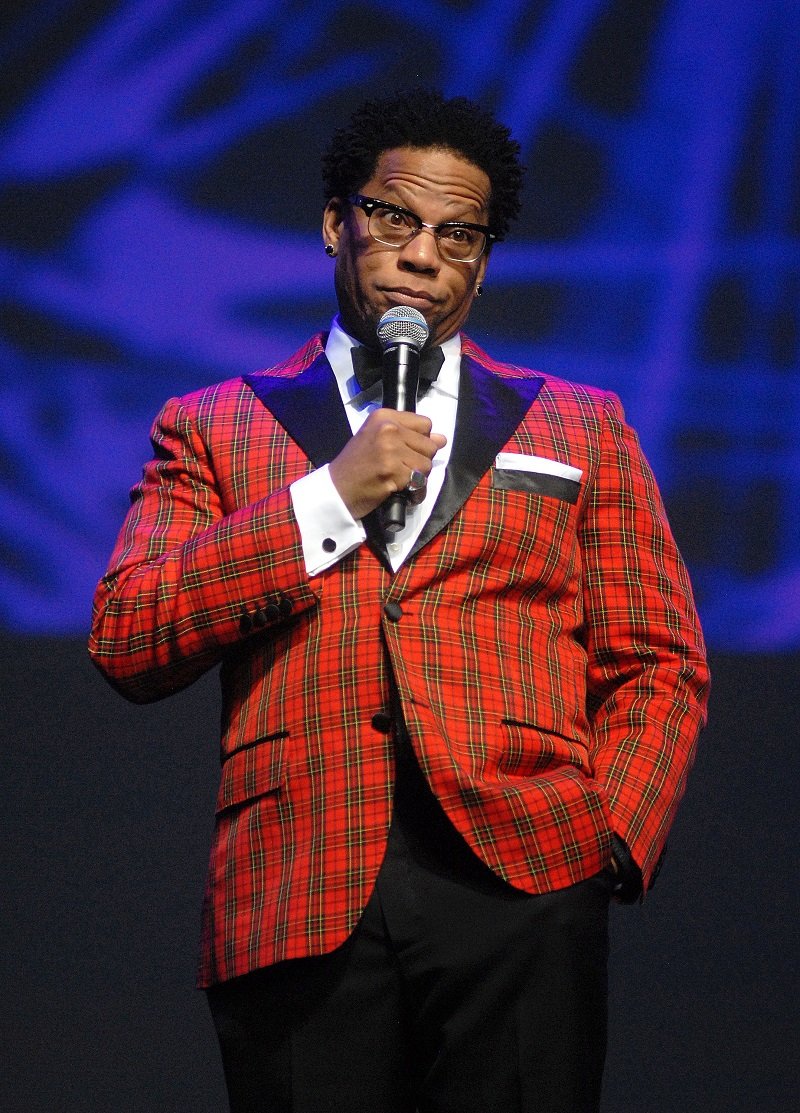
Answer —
402 332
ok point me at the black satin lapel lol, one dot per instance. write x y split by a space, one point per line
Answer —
489 410
309 408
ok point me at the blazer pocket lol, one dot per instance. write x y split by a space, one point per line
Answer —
254 770
538 475
530 750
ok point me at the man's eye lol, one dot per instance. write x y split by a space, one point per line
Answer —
391 218
459 235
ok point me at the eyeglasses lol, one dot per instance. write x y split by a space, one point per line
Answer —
458 241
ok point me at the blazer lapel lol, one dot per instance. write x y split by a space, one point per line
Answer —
309 408
489 410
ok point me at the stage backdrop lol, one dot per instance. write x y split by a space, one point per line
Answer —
160 202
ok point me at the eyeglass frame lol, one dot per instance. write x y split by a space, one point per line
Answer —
369 204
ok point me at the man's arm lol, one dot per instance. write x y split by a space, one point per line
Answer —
647 673
185 580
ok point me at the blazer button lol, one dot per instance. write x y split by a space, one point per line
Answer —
245 623
260 619
393 611
285 606
382 722
272 611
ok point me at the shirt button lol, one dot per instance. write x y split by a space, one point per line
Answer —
394 547
329 545
393 611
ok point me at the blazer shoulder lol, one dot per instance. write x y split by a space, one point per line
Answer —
555 389
239 391
295 364
567 391
472 351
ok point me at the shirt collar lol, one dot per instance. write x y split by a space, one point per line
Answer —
337 350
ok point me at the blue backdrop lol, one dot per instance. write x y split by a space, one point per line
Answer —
161 200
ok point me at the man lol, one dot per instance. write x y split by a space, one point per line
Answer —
443 749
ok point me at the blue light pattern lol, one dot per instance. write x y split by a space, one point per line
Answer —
161 196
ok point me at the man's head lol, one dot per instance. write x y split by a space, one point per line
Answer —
439 162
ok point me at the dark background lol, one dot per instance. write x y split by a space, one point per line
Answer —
110 808
159 211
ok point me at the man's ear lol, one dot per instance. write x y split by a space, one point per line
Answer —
332 222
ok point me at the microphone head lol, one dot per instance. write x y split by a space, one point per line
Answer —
402 325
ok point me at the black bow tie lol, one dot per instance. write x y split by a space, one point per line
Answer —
368 367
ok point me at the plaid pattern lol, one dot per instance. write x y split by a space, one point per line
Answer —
546 653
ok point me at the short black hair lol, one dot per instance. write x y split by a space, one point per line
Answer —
422 118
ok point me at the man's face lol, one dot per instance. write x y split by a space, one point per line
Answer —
371 277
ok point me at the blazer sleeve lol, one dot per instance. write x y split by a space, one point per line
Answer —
647 672
187 580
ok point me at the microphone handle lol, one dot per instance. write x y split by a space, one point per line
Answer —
400 378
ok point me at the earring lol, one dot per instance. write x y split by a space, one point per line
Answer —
330 250
479 290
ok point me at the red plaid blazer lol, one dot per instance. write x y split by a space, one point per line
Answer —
542 635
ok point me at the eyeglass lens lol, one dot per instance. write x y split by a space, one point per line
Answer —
461 244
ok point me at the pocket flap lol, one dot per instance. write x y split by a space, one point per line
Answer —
252 771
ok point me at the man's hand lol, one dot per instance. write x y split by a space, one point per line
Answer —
378 461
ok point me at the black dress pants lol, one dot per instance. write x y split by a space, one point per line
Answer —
456 993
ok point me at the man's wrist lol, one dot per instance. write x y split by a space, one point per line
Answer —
328 531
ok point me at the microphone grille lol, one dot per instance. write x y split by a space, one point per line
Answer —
404 324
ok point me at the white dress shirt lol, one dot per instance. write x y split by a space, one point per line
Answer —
328 530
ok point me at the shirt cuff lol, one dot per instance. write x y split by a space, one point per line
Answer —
328 531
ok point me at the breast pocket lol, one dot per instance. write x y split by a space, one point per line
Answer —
538 475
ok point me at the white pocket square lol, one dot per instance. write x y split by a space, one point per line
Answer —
536 475
521 461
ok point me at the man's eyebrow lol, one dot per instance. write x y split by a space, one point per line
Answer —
405 209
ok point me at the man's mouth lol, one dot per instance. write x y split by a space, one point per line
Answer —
417 299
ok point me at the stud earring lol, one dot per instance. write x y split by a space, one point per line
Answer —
479 290
330 250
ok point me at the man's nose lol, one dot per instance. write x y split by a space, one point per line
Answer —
422 250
